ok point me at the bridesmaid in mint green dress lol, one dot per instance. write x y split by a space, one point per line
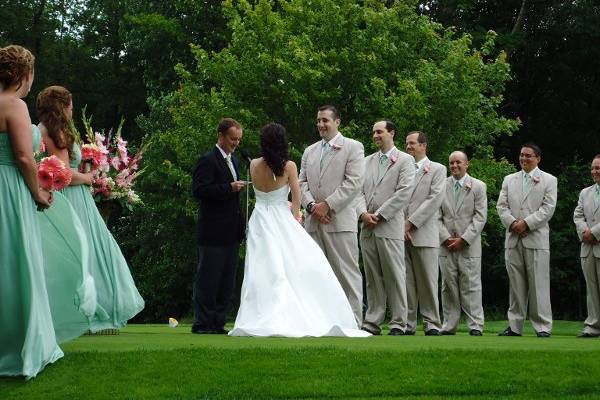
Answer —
27 339
118 299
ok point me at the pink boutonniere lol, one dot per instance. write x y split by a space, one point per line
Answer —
468 185
336 146
425 169
536 179
393 159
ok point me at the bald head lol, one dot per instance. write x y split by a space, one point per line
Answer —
458 162
458 153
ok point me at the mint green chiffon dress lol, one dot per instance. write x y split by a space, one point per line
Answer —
27 339
118 299
70 286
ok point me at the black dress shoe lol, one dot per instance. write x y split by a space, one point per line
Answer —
543 334
587 335
221 331
508 332
202 331
364 328
396 332
409 333
432 332
447 333
475 332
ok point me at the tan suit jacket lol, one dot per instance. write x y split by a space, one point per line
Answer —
387 196
424 204
338 183
536 207
465 217
587 216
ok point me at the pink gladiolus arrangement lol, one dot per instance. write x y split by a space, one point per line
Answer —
115 169
53 174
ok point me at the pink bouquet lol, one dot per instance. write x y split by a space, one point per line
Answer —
114 168
92 157
53 174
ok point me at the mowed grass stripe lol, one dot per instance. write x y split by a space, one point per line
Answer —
313 372
157 362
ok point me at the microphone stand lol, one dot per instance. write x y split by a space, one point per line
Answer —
248 160
247 194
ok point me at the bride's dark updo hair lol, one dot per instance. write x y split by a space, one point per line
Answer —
274 147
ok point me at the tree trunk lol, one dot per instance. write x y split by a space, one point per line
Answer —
37 19
519 22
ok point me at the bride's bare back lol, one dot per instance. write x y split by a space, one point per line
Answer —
264 180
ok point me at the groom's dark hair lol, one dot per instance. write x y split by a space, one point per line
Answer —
334 111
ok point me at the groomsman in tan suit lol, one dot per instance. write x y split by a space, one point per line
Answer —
587 223
331 176
421 238
389 176
462 217
526 203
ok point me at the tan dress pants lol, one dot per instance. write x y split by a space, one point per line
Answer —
461 289
422 273
591 272
529 292
341 250
386 282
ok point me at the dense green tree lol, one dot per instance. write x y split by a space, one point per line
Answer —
283 62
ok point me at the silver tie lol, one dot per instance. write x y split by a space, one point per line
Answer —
231 167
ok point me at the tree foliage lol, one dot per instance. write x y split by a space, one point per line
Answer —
285 60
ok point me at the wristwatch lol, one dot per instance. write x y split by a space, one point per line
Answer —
309 207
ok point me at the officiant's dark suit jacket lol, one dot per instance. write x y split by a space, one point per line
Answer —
220 220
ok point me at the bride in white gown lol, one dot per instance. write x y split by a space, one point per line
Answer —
289 287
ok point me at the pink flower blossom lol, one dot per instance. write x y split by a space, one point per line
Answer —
115 162
468 185
92 154
336 146
426 168
53 174
393 159
536 179
45 179
62 179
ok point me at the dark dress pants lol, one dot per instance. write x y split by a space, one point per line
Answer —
213 285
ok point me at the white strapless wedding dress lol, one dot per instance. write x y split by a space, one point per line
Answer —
289 288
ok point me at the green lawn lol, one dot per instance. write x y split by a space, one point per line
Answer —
155 362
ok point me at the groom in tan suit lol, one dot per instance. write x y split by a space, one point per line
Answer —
462 217
525 205
331 176
587 223
421 238
388 184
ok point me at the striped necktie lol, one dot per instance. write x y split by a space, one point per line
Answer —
383 164
457 188
526 182
325 147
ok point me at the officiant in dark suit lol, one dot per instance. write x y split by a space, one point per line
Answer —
221 227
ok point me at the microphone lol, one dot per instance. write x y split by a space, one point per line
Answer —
246 155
